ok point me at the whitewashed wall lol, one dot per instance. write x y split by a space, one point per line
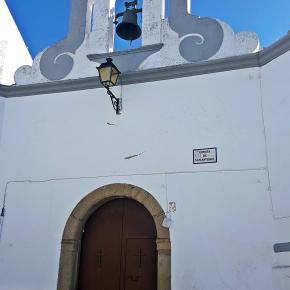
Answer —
57 148
2 167
13 51
2 107
276 103
276 108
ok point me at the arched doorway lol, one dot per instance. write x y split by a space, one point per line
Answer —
118 249
73 233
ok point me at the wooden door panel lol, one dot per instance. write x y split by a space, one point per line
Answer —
140 263
101 250
138 221
118 250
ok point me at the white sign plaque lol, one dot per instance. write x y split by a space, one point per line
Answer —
205 155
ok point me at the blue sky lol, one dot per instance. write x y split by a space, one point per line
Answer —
43 23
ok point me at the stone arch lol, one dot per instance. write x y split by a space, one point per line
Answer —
71 240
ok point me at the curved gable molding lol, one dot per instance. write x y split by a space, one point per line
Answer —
257 59
56 62
185 38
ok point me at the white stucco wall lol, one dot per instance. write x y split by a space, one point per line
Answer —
2 107
13 51
276 103
57 148
2 111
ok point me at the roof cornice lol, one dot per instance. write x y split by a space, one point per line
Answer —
257 59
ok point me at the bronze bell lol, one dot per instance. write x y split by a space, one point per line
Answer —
129 29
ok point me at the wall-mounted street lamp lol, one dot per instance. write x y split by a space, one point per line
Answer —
109 74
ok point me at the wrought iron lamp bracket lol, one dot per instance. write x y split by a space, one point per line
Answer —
116 102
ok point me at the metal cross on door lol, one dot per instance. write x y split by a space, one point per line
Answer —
99 258
118 248
140 255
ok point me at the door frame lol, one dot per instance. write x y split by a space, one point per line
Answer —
71 239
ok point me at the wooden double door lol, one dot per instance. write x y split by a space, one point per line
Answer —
119 248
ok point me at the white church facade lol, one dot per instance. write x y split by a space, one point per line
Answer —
187 189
